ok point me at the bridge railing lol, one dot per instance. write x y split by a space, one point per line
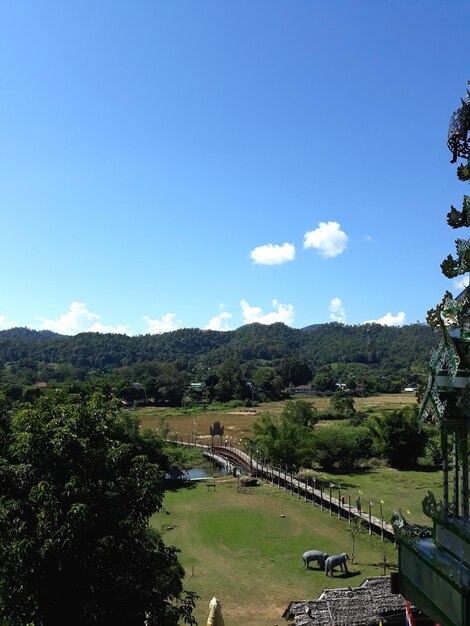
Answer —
311 489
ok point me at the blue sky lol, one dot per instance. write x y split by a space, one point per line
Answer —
217 162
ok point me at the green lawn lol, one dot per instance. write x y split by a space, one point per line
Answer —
246 548
398 489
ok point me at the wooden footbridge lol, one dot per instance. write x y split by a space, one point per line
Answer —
312 490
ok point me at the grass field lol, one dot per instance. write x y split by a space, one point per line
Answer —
246 548
240 547
398 489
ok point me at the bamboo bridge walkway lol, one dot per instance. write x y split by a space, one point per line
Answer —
310 489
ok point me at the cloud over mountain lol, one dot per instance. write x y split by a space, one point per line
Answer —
389 320
282 313
78 319
167 323
337 311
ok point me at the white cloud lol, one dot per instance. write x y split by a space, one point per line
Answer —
337 312
389 320
328 239
218 322
98 327
167 323
4 324
283 313
78 319
273 254
459 284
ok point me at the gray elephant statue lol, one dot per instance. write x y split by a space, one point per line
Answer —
335 560
314 555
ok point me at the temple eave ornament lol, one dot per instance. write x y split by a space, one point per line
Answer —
459 126
435 563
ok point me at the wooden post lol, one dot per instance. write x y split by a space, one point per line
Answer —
339 503
321 496
306 488
313 490
370 517
381 522
331 512
349 507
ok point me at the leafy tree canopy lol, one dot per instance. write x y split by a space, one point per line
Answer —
398 436
78 485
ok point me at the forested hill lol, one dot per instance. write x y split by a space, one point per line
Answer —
371 345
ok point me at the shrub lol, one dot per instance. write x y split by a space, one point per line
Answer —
341 447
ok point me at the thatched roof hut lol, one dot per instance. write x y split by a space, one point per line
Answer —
365 605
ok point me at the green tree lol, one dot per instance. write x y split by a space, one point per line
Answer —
232 382
324 379
342 405
170 385
265 436
287 439
398 436
294 372
300 412
341 447
267 383
78 485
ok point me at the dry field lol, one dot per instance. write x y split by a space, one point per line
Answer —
238 422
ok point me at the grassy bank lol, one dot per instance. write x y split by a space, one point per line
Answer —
246 548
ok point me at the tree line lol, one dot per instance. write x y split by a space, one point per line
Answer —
394 437
254 362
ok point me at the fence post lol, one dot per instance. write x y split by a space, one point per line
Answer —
339 503
370 517
349 507
313 491
306 488
381 522
321 496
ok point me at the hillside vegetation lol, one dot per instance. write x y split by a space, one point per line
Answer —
254 362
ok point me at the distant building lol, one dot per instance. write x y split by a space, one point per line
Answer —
302 389
196 386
